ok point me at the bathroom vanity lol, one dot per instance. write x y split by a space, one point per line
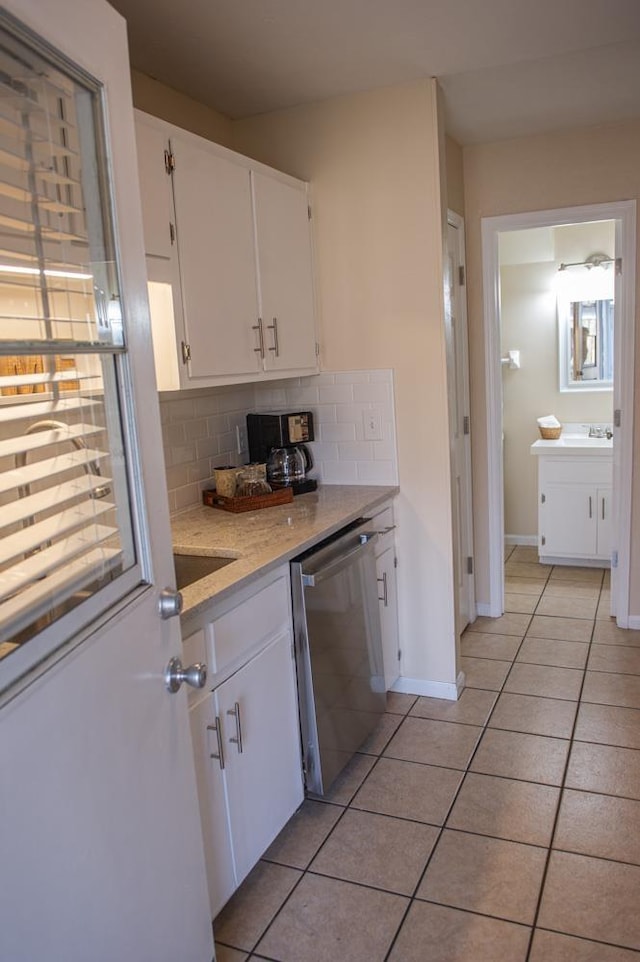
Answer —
575 476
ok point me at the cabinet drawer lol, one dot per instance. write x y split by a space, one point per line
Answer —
243 628
581 471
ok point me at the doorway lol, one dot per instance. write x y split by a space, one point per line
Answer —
622 214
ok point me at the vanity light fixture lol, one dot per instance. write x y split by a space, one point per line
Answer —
593 260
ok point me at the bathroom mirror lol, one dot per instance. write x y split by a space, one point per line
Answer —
586 345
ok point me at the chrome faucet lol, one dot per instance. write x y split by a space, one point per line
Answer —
600 431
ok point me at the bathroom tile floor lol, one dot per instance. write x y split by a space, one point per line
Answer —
504 827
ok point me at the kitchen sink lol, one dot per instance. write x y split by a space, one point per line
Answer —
193 567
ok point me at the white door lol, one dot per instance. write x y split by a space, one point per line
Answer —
460 424
99 828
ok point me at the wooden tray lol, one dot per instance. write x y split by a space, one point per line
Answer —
254 502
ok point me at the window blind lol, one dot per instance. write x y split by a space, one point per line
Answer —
65 525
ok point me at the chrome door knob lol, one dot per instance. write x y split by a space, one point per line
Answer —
175 674
169 603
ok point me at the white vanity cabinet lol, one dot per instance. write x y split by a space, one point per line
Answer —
245 731
574 508
238 234
385 552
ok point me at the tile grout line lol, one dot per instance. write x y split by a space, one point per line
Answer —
554 827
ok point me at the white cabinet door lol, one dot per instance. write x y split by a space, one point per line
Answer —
568 520
387 596
217 261
605 523
258 711
285 273
155 189
221 876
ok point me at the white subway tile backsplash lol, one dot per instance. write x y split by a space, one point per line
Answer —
336 393
330 431
355 451
351 377
323 452
372 392
377 472
299 397
340 472
199 432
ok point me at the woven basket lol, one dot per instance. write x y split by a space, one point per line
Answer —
550 434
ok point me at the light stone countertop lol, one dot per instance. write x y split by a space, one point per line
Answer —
260 540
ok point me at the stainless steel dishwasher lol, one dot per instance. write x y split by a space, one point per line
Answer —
338 650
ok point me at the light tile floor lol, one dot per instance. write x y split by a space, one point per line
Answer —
504 827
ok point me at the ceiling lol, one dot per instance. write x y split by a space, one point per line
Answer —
507 67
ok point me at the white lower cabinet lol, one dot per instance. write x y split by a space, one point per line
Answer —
385 552
245 733
574 510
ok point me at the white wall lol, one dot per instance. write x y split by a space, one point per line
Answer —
373 160
565 168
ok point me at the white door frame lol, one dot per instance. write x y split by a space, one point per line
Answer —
456 221
624 213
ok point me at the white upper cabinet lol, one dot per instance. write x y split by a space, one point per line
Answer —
214 226
155 190
285 278
230 240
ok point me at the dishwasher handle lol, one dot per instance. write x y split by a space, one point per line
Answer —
365 538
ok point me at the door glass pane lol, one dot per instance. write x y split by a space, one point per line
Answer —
66 529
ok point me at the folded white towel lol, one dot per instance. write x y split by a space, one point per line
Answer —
549 421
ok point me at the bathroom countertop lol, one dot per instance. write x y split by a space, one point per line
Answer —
260 540
574 445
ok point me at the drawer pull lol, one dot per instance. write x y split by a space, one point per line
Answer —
216 728
235 711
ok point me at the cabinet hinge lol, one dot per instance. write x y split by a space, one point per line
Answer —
172 233
309 211
317 349
395 561
543 498
617 418
461 275
469 565
543 540
466 424
618 265
186 352
169 161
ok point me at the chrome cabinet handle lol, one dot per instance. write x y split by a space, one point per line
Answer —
274 327
603 509
235 711
385 596
216 728
258 327
175 674
590 507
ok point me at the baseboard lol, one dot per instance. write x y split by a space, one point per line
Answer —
526 539
634 622
575 562
430 689
485 611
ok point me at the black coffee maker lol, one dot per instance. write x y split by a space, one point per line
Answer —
280 441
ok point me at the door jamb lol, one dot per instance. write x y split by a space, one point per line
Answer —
624 213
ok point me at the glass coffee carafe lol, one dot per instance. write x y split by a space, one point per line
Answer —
286 466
